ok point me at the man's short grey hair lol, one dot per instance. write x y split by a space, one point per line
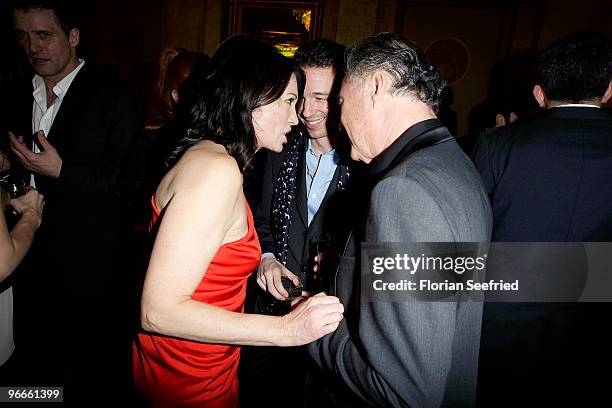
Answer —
402 60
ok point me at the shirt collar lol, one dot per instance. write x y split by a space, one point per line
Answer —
39 94
332 152
37 82
61 87
577 105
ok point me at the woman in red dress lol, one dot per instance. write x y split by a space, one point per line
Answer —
206 245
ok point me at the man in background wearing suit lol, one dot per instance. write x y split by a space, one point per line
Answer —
304 200
68 129
550 180
423 189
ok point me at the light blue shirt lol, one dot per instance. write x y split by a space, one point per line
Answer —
319 173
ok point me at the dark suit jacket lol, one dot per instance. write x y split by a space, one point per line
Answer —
332 219
75 251
549 180
403 353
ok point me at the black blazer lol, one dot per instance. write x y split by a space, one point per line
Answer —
332 220
549 179
76 246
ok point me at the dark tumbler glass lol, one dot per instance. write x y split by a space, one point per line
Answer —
13 185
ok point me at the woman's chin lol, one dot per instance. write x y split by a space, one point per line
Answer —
277 148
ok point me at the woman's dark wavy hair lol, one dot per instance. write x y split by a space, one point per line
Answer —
243 74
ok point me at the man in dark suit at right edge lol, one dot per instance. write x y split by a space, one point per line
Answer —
550 180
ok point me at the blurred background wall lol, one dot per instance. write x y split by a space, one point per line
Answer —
485 48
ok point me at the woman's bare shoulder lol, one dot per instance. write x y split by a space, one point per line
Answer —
205 167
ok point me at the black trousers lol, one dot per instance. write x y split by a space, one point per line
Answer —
544 355
272 376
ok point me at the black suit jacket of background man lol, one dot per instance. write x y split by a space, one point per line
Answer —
549 180
68 280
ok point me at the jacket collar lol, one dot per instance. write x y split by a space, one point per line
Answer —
412 139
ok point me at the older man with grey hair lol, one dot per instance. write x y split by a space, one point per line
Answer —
423 189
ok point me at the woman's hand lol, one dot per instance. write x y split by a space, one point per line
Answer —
32 202
312 319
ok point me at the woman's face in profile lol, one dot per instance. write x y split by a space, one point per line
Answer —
273 121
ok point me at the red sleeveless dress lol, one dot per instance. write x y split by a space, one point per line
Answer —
176 372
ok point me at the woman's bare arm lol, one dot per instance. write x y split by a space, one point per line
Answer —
15 244
199 218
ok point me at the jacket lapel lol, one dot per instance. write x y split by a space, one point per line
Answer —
72 103
301 202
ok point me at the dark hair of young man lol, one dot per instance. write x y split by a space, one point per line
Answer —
322 54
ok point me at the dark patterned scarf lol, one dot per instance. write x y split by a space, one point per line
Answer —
284 194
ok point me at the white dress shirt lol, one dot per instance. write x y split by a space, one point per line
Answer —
577 105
